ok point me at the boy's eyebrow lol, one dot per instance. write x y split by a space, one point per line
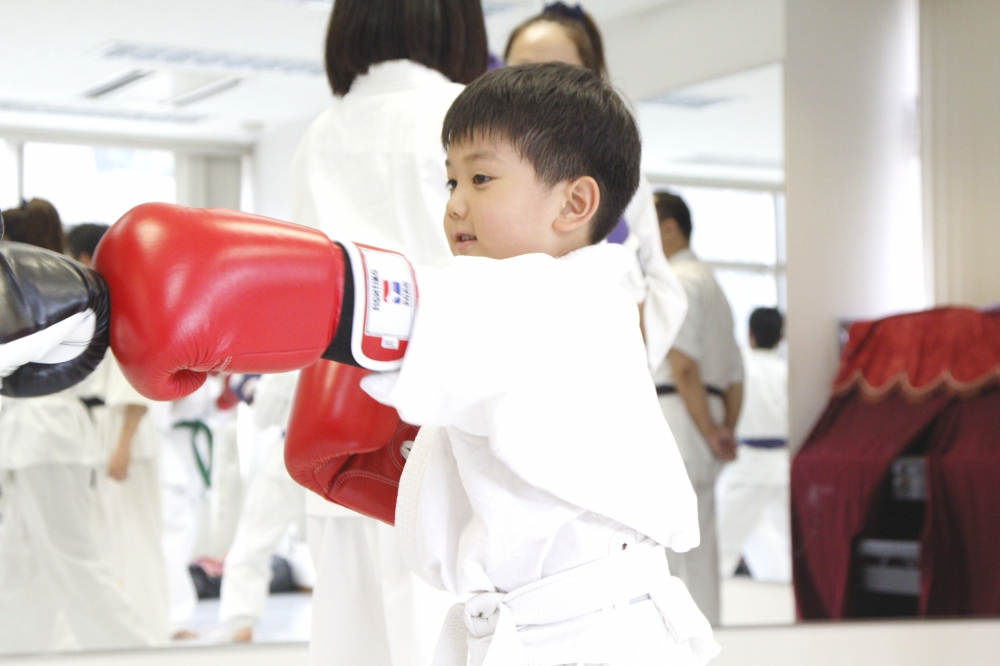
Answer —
478 155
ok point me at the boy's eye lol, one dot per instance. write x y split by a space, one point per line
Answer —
451 184
480 179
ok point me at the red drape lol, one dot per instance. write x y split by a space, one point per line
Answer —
834 479
958 348
960 554
901 377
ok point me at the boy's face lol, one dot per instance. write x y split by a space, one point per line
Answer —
498 207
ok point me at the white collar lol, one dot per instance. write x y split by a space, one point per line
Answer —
394 76
682 255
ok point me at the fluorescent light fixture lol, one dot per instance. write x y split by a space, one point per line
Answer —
98 112
687 100
117 82
170 56
201 93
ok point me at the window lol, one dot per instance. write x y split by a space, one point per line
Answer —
740 234
8 176
97 184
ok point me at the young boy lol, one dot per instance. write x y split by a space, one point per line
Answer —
545 480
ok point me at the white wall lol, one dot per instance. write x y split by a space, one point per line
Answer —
272 161
960 70
854 235
681 43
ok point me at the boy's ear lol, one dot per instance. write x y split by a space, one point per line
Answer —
583 197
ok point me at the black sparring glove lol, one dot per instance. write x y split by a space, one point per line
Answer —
54 317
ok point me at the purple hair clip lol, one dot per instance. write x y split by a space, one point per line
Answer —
562 9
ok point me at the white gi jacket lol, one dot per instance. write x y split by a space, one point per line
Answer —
371 170
543 449
651 281
765 396
707 337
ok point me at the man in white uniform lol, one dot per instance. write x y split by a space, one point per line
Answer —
752 493
700 385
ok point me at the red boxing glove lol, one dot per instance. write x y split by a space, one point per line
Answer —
195 290
342 444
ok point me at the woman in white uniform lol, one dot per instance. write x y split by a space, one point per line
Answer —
568 34
371 169
51 561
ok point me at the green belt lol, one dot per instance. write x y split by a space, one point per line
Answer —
204 468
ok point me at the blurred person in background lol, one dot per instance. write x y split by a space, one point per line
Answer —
752 492
53 563
129 480
700 387
561 33
371 169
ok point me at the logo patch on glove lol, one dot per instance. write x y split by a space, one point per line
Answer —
383 320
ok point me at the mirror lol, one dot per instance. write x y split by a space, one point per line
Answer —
120 104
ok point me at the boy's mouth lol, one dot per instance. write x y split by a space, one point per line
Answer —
464 241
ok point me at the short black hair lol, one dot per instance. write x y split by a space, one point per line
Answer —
564 121
767 326
669 205
446 35
83 238
36 223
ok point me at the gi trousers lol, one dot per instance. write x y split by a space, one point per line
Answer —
51 564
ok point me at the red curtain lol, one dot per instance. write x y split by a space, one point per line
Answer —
958 348
960 554
901 377
834 480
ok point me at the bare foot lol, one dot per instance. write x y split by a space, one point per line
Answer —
183 635
244 635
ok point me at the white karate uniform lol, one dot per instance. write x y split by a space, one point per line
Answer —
371 169
707 338
752 493
273 503
51 562
131 508
544 479
651 281
183 492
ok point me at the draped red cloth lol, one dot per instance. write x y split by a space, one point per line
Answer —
954 348
942 364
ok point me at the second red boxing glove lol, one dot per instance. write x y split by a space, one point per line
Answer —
342 444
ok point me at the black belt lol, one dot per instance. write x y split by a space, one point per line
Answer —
765 443
90 403
670 389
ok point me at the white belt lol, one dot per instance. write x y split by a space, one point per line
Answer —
491 619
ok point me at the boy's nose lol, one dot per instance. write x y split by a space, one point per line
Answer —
455 208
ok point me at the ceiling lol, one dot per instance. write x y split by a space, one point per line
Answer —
226 71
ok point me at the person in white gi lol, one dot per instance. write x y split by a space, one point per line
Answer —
700 384
129 482
544 479
129 487
371 169
185 431
273 503
56 585
752 492
568 34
